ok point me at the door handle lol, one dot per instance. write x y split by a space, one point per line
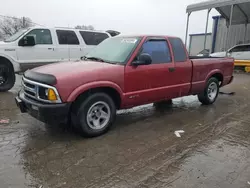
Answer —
50 48
171 69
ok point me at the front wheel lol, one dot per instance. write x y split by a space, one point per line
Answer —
210 93
95 115
7 76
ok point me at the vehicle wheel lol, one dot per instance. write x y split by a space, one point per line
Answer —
210 93
7 76
95 115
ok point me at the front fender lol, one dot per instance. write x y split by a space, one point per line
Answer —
16 65
79 90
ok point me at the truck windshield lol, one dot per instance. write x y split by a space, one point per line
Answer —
16 35
114 50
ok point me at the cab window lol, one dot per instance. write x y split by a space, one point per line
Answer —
158 50
93 38
42 36
66 37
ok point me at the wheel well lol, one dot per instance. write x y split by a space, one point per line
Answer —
108 90
219 77
3 59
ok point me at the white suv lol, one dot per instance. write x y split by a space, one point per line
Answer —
36 46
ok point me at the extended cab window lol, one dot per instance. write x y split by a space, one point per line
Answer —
42 36
178 50
93 38
67 37
158 50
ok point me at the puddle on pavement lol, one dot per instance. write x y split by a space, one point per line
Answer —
219 164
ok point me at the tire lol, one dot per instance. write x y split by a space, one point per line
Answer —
90 112
7 75
210 93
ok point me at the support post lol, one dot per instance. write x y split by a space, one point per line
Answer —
225 41
245 34
229 28
205 41
187 29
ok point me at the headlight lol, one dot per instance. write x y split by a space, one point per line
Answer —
52 95
48 94
40 91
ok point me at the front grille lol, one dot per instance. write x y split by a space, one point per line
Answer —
30 90
37 91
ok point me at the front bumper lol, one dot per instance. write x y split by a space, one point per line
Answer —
47 113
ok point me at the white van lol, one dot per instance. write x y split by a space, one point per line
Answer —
36 46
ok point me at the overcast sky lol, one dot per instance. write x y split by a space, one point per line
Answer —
128 16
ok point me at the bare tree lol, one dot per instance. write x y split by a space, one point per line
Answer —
9 25
85 27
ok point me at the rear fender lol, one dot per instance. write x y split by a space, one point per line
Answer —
78 91
216 71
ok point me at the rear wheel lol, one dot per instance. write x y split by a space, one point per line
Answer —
95 115
210 93
7 75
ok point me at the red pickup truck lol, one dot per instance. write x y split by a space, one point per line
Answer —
121 72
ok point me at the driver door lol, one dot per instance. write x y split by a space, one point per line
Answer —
149 83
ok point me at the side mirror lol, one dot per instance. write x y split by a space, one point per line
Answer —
143 59
27 41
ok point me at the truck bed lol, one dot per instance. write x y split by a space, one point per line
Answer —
203 68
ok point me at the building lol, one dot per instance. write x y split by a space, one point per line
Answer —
216 41
229 29
239 34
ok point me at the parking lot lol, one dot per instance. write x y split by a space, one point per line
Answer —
140 151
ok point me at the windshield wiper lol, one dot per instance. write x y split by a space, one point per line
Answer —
93 58
96 59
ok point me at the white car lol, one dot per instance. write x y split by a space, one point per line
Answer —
239 52
36 46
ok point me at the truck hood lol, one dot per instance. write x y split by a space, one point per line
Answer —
66 70
67 76
6 44
2 43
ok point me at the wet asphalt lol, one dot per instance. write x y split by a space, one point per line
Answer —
140 151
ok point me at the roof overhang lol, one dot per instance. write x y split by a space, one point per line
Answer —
241 11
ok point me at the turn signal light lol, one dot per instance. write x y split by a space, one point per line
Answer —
52 95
